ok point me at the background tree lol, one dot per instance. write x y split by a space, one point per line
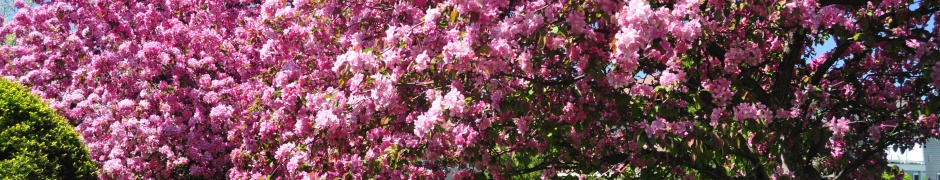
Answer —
7 10
489 88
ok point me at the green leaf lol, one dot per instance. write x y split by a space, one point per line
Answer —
659 88
453 16
931 106
694 107
688 63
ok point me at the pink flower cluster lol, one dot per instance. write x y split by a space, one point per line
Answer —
298 89
838 126
640 25
660 127
753 111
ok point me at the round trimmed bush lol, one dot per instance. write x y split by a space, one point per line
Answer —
35 143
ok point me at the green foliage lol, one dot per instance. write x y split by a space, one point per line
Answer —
893 172
35 143
9 40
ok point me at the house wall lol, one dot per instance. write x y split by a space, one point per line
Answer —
932 159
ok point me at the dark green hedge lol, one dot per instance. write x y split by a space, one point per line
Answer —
35 143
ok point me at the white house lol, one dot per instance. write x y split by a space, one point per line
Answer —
931 158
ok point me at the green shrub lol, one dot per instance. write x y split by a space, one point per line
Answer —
35 143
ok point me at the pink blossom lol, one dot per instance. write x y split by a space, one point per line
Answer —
715 116
457 51
391 34
454 101
522 124
642 90
619 80
928 121
421 62
354 60
838 126
210 97
720 89
300 3
627 43
221 112
656 127
125 104
836 148
641 12
670 78
464 135
284 151
114 166
501 48
426 121
875 132
753 111
430 17
326 119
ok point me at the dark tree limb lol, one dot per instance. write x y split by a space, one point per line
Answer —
415 83
549 82
760 94
843 174
783 78
759 169
835 56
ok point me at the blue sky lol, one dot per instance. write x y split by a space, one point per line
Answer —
916 154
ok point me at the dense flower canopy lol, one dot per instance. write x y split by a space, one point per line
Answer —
487 88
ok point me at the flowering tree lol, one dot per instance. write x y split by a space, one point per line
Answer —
485 88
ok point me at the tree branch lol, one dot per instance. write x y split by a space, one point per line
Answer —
713 172
753 86
750 156
415 83
842 2
541 166
548 82
793 53
860 160
821 70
